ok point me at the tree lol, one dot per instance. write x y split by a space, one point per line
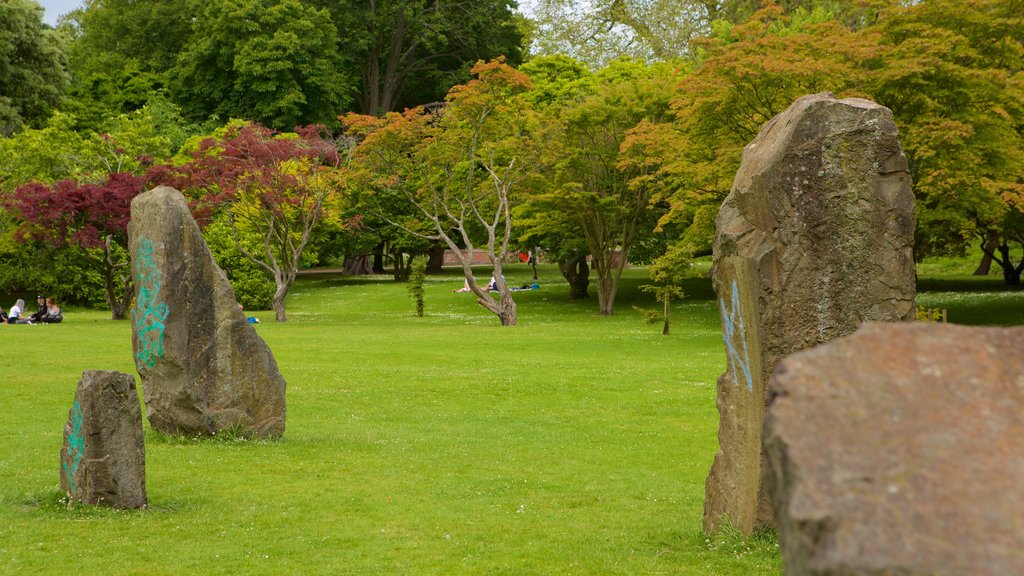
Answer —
96 170
667 274
751 73
410 52
951 73
592 195
32 66
91 219
558 82
272 61
275 189
459 168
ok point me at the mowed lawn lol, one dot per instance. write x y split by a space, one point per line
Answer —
570 444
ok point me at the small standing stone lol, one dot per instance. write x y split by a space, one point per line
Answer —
103 459
900 450
203 366
815 238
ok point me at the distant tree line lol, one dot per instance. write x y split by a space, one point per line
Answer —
364 133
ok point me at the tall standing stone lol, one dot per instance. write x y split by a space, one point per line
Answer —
900 450
814 239
203 366
103 459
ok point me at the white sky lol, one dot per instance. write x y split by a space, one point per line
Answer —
54 8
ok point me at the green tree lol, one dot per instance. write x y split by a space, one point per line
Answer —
410 53
272 61
667 274
751 73
275 190
558 81
591 193
951 73
32 66
460 168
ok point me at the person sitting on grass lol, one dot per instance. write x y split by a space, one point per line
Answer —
41 310
3 316
54 315
17 313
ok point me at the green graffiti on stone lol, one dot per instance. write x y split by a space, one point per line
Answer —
76 445
148 315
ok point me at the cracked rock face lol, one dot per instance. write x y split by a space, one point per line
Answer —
814 239
897 450
204 369
103 459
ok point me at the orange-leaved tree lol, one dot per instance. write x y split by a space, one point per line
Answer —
456 169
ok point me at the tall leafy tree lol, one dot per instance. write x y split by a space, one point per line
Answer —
750 73
460 168
592 195
272 61
558 82
120 54
32 66
952 74
275 189
411 52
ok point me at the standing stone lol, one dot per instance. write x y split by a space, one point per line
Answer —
103 460
203 366
814 239
900 450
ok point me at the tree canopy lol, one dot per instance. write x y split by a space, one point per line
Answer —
32 66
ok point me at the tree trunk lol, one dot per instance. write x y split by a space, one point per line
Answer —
357 265
504 308
378 259
435 259
605 296
1011 274
989 245
664 329
277 302
401 268
118 307
577 274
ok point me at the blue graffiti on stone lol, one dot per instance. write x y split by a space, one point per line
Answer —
148 315
76 445
731 320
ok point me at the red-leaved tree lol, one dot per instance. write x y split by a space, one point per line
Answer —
90 218
275 189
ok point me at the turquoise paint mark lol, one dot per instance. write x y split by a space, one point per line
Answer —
76 445
148 315
731 319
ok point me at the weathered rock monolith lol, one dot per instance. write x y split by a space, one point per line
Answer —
103 459
203 366
900 450
814 239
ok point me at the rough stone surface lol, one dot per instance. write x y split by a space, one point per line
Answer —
814 239
103 460
900 450
203 366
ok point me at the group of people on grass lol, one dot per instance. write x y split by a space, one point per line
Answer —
48 313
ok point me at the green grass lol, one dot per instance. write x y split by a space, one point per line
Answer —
948 283
570 444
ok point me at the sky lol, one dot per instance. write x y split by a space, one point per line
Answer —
54 8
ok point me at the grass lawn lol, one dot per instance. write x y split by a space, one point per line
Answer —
570 444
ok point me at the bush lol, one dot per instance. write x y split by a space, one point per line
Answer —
254 288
